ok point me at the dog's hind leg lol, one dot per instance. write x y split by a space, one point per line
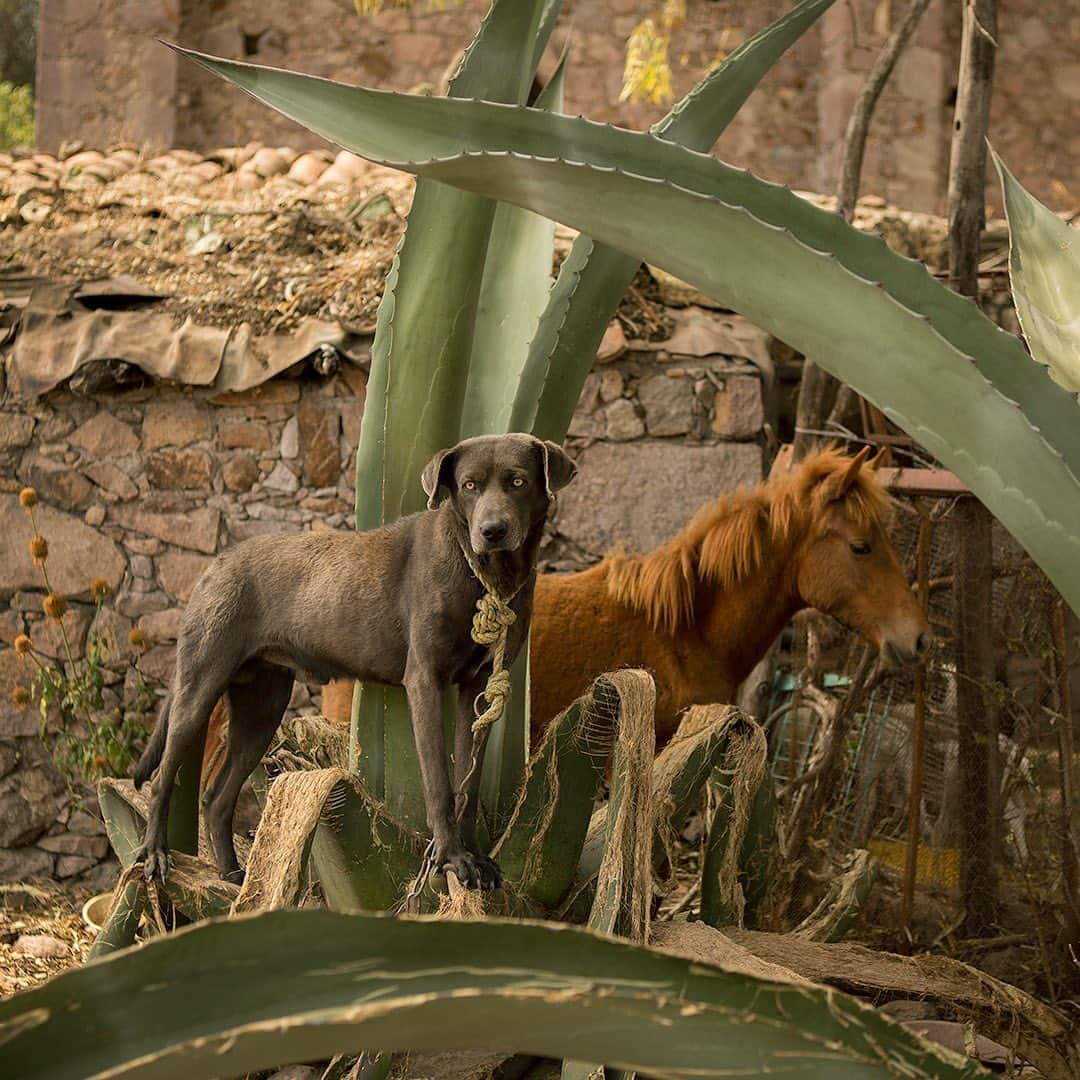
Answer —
189 715
256 706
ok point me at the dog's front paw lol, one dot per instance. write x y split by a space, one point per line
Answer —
155 862
472 870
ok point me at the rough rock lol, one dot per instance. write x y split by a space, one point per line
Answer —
95 516
641 494
240 472
103 436
101 878
180 469
320 425
159 663
283 479
24 864
170 424
112 479
77 553
244 435
15 429
84 824
162 625
623 422
178 573
738 410
612 384
612 344
57 483
28 804
15 671
42 946
668 404
290 439
196 530
70 865
11 625
49 639
69 843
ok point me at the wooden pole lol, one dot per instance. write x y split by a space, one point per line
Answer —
1070 857
818 389
976 712
918 733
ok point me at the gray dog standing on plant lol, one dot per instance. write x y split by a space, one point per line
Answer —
392 605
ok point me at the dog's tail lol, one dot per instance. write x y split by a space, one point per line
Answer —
151 756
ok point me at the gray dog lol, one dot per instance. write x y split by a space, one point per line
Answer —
392 605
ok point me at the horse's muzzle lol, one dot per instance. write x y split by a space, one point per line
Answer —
896 655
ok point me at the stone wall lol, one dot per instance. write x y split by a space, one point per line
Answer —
144 487
103 78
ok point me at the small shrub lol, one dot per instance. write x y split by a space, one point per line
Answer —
16 115
95 738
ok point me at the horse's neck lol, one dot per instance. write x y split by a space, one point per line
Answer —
739 623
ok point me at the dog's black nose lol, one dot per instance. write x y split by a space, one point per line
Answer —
493 531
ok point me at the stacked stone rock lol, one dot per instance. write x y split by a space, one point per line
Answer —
253 164
143 490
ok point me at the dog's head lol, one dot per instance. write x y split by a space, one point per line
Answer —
500 485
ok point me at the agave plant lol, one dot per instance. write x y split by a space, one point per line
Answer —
472 337
928 358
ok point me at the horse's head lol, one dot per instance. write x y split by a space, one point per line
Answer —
847 567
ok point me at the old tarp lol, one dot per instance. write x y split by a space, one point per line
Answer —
63 327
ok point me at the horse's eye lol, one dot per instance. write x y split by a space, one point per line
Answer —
860 547
518 481
469 485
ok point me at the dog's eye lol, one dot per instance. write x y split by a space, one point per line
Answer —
518 481
469 485
860 547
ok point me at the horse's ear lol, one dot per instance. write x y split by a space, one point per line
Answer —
879 459
840 483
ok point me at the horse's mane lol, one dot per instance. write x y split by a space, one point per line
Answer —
726 540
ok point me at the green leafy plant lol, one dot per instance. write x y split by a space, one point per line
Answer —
305 985
93 739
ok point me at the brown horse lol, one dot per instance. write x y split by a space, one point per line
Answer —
701 611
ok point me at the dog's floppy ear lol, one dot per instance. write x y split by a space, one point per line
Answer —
559 467
438 476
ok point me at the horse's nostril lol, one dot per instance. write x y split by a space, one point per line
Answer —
493 530
922 645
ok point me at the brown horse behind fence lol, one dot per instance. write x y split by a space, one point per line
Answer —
701 611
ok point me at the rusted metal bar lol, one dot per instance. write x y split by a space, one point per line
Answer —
923 482
918 732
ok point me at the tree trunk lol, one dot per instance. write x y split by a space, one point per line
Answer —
819 390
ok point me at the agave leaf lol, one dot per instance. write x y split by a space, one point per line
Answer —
594 277
623 896
542 843
122 922
739 776
193 886
420 364
928 358
513 294
232 996
1044 268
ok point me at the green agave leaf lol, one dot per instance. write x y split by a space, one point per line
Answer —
420 364
928 358
193 886
231 996
513 294
593 278
540 848
1044 268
